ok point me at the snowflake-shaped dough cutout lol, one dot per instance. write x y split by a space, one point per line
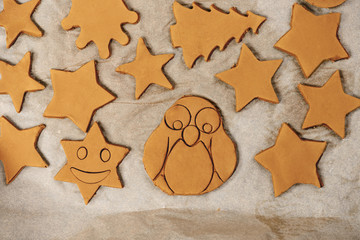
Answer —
100 22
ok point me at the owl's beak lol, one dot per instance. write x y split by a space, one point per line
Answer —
191 135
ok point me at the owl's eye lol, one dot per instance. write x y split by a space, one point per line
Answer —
177 117
207 120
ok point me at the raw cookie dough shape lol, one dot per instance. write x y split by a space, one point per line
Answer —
329 105
18 148
312 39
16 19
147 69
292 160
16 81
100 22
77 95
199 32
326 3
251 78
189 153
92 163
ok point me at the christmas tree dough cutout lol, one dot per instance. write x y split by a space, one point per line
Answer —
16 19
329 105
77 95
18 148
92 163
251 78
292 160
312 39
16 81
190 153
326 3
147 69
199 32
100 22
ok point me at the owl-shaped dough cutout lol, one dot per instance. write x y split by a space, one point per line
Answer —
189 153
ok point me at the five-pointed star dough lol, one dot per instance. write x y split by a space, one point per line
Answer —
147 69
77 95
16 19
251 78
18 148
16 81
329 105
291 160
312 39
92 163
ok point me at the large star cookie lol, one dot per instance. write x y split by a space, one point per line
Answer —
77 95
251 78
16 19
312 39
291 160
147 69
92 163
18 148
16 81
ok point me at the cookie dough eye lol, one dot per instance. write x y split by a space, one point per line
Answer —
207 120
105 155
177 117
82 153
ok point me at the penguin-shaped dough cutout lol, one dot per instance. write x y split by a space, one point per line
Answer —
189 153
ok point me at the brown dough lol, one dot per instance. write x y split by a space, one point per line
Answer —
190 153
16 19
312 39
251 78
147 69
329 105
92 163
100 21
16 81
198 32
18 148
291 160
326 3
77 95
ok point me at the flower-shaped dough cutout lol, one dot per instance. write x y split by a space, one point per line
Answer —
100 22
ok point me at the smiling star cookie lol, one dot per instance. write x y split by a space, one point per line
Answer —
190 153
92 163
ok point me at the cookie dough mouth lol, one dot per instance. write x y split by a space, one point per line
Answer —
89 177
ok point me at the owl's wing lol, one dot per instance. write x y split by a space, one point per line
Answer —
155 151
223 153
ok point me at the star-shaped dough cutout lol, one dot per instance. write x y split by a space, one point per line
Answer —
329 105
16 19
92 163
251 78
147 69
312 39
18 148
292 160
16 81
77 95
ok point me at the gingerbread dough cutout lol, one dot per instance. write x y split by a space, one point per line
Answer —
77 95
329 105
92 163
292 160
326 3
189 153
312 39
251 78
18 148
147 69
199 32
16 81
100 22
16 19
